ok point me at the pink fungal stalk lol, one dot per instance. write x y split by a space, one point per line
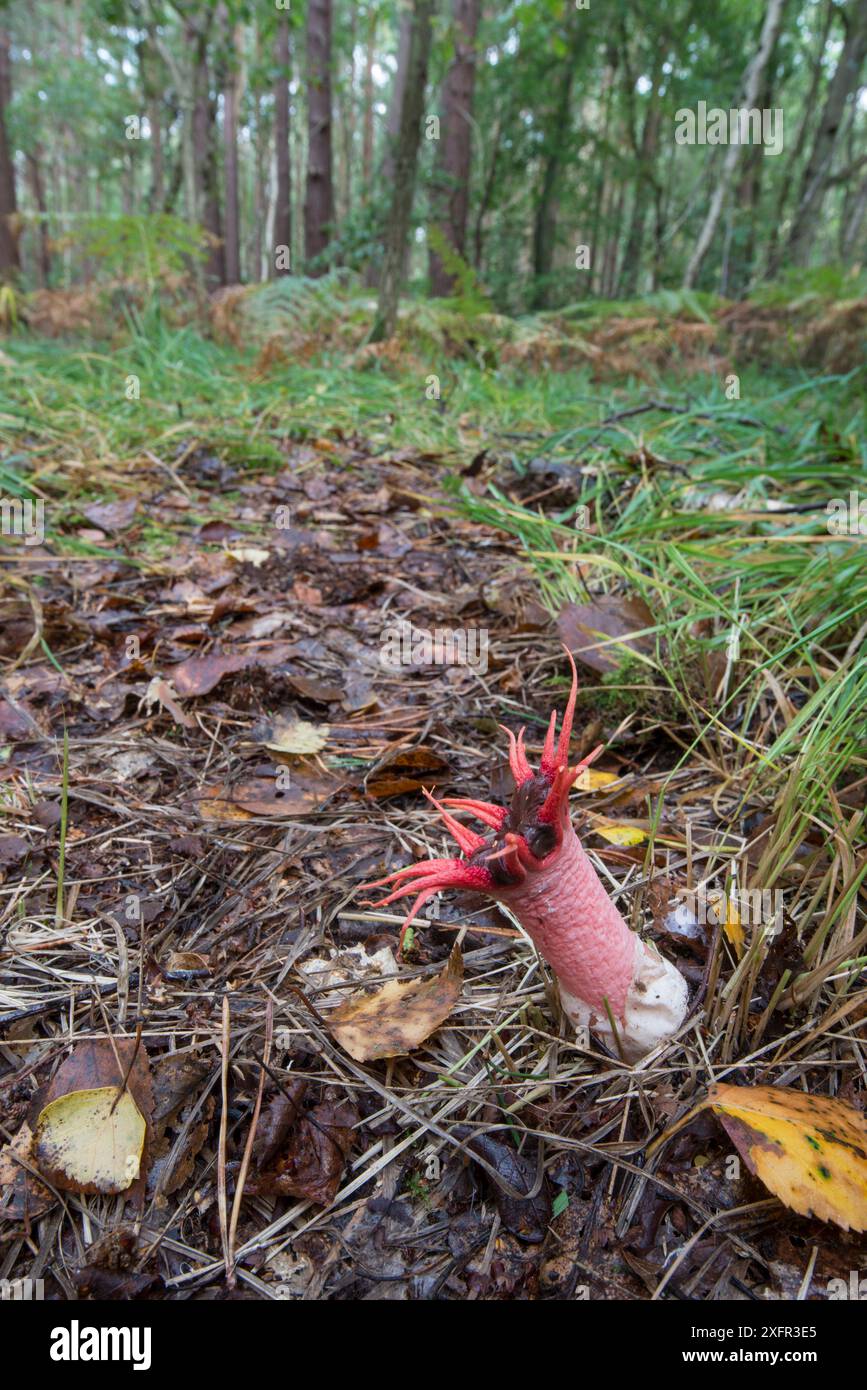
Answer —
611 981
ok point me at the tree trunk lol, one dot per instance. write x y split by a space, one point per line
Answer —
406 164
232 96
854 224
750 87
451 193
319 203
392 120
9 256
815 180
205 195
545 221
487 194
283 206
645 152
37 190
367 127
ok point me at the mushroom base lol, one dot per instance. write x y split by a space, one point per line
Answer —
656 1005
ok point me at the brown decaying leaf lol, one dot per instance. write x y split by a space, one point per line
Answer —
112 516
399 1016
22 1196
198 675
312 1165
91 1070
276 1121
582 626
406 770
301 793
528 1220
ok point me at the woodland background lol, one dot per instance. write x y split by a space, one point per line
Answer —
256 126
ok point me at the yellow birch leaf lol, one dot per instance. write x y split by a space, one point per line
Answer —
91 1141
810 1151
622 834
726 912
399 1016
591 779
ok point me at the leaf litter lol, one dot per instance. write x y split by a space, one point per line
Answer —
193 873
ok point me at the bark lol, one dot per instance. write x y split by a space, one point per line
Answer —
9 256
37 191
750 88
814 183
742 247
645 153
319 203
854 224
283 205
392 120
367 126
451 194
232 99
406 164
487 194
545 220
205 171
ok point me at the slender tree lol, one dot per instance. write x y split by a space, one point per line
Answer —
231 103
406 164
816 177
750 88
451 197
319 203
283 198
9 259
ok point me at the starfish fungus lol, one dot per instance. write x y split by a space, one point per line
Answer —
611 981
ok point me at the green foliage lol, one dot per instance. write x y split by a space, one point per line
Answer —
811 284
143 249
470 299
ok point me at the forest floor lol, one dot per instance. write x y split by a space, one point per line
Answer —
203 759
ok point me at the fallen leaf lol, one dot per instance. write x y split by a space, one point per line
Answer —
112 516
621 834
267 796
92 1141
249 555
296 738
90 1136
591 779
810 1151
13 848
312 1165
725 911
198 675
405 770
529 1219
583 626
161 692
399 1016
276 1121
17 723
22 1196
